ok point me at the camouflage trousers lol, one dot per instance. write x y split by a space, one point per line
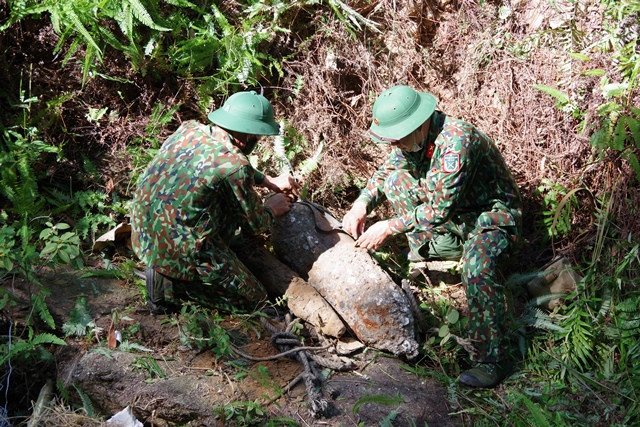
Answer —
220 277
480 251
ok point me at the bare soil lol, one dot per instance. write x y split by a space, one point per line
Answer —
196 381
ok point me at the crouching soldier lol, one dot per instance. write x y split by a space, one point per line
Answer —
195 194
454 197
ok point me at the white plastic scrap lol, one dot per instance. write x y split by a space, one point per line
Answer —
124 418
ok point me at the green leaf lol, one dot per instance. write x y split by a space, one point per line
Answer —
380 399
594 72
44 234
453 316
64 256
580 56
539 418
181 3
6 264
49 248
443 331
562 97
67 236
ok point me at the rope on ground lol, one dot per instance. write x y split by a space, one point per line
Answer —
289 344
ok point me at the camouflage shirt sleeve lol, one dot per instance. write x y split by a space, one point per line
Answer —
258 177
258 217
453 167
373 194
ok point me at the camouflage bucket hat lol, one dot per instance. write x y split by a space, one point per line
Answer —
398 111
246 112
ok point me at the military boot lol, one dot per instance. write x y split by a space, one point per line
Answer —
155 293
486 375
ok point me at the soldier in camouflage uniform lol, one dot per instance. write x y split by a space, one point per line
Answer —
195 194
454 197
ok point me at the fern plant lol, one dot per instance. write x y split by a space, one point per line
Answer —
79 25
26 347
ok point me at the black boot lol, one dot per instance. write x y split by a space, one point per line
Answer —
155 293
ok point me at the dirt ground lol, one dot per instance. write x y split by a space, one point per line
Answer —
194 382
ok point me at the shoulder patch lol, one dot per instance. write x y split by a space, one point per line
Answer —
451 162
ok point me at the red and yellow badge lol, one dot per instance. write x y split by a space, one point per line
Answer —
451 162
431 147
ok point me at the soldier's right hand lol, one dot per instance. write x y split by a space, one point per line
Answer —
353 221
279 204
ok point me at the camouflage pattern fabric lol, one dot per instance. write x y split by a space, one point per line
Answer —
192 197
457 186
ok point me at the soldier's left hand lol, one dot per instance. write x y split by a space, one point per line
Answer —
375 235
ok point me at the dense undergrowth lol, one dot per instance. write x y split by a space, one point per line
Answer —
91 89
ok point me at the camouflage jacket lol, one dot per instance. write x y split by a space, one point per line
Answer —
464 183
198 187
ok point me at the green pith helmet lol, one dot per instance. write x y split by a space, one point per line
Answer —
246 112
398 111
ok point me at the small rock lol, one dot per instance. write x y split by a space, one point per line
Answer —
348 346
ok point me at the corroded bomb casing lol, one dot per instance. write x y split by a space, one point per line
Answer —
373 306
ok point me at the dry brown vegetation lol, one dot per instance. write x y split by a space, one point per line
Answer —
482 69
480 66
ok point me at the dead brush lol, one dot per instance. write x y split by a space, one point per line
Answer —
60 414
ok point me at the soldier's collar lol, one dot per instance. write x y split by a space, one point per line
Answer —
437 122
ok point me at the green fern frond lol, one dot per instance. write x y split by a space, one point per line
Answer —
142 14
41 309
539 417
124 18
86 401
578 338
279 151
79 27
537 318
111 39
606 304
47 338
350 18
71 51
79 319
221 20
311 164
17 348
181 3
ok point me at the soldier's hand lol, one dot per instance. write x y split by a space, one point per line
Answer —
375 236
282 184
279 204
353 222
